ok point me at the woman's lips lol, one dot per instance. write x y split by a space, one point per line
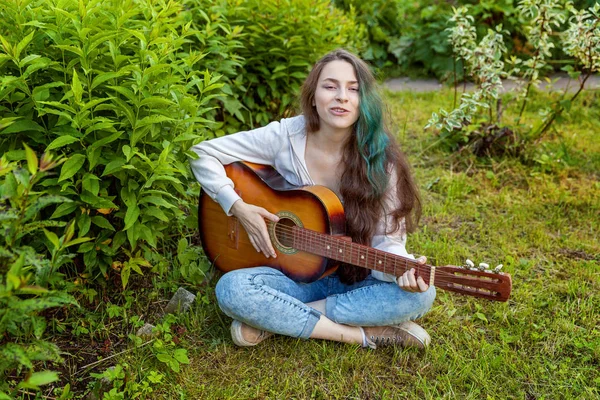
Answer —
339 111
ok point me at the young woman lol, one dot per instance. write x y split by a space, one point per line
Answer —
339 142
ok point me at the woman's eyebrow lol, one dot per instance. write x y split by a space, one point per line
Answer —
336 81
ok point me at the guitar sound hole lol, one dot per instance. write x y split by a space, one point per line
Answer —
284 233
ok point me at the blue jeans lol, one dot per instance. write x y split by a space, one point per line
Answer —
265 298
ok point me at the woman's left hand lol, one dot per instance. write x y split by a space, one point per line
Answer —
408 281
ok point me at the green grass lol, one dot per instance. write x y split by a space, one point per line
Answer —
542 221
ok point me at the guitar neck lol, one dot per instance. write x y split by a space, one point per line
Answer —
339 249
473 283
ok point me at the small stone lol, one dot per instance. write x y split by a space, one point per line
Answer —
180 302
145 331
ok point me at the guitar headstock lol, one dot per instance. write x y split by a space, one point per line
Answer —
473 282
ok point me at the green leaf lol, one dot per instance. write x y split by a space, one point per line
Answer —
23 125
42 378
106 140
91 183
113 166
63 209
127 93
94 103
156 102
262 91
71 167
53 238
61 141
28 59
182 245
6 45
78 241
152 119
23 44
43 202
159 201
125 272
40 63
181 356
96 202
83 223
32 160
101 78
76 87
6 122
481 317
127 152
102 223
39 323
174 365
164 357
133 212
156 213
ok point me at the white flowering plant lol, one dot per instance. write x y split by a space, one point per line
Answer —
486 62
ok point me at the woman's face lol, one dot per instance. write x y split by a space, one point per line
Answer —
336 97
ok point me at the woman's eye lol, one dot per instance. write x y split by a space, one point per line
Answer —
329 87
355 89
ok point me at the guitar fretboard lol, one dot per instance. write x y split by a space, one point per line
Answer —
356 254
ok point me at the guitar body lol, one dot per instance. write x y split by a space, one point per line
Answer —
316 208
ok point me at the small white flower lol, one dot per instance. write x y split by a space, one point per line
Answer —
470 263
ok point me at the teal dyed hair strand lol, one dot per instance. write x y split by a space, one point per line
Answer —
371 137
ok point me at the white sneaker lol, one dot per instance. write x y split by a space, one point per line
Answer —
245 335
407 334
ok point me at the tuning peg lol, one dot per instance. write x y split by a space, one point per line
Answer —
469 265
498 268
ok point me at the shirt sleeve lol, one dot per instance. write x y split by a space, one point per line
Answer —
385 238
258 146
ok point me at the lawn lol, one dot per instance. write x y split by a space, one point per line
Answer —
539 218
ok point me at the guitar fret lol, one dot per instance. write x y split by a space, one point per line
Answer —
385 269
361 256
355 254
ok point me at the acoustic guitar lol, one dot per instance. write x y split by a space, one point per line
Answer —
309 237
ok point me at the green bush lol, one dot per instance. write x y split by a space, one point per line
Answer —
121 89
279 41
30 256
411 37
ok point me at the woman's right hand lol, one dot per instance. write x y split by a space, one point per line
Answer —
253 221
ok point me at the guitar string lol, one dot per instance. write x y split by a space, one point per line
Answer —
355 252
439 275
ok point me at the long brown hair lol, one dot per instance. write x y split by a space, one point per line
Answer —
370 157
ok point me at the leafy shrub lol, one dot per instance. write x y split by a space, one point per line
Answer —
486 65
120 89
280 40
411 37
26 273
